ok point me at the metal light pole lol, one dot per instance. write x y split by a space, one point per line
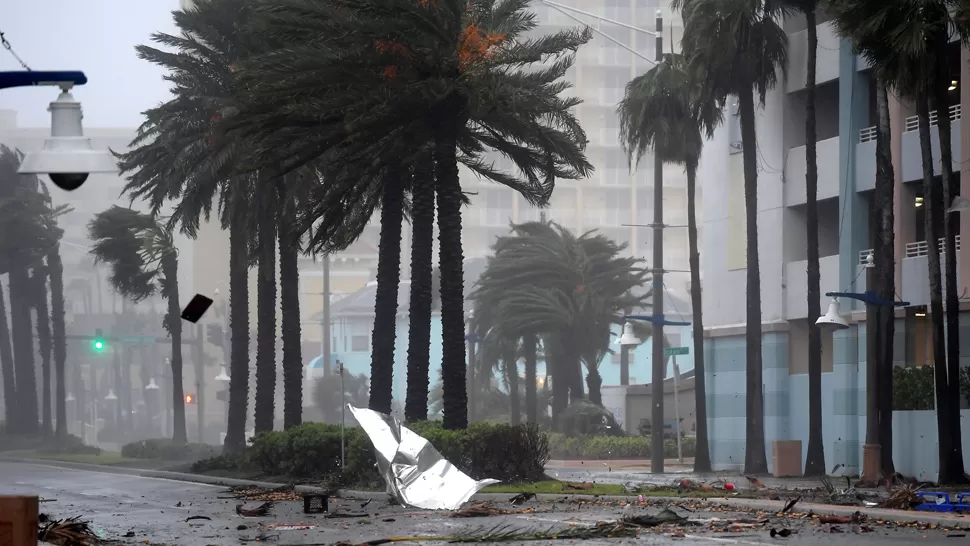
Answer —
659 369
343 413
325 321
680 453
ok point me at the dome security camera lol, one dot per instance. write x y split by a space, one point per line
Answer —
68 157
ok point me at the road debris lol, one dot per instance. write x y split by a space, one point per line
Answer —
290 526
857 517
904 497
783 533
67 532
193 518
485 509
254 494
259 511
664 516
521 498
584 486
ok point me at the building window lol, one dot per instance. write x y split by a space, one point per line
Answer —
359 344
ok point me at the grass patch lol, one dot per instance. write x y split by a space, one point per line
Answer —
556 487
106 458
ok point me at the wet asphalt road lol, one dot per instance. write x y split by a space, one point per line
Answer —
155 511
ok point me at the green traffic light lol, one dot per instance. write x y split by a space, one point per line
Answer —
98 345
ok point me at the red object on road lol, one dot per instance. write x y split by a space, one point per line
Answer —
729 487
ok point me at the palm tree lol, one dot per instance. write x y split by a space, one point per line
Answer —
666 109
543 280
144 260
7 368
907 49
393 53
421 297
289 239
266 234
56 273
738 48
42 316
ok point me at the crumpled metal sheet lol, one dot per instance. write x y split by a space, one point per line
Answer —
415 473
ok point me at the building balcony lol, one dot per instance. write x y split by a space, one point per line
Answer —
915 279
865 160
796 283
912 158
828 172
827 65
494 217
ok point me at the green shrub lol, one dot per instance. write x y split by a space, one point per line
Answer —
312 450
70 445
913 388
610 447
166 450
235 461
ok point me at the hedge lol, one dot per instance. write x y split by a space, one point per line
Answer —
611 447
165 449
312 451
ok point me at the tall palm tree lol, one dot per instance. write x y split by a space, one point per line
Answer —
906 45
144 260
289 240
266 234
56 273
42 317
666 109
412 51
739 49
815 456
7 368
422 271
570 289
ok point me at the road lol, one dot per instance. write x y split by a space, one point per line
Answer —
154 511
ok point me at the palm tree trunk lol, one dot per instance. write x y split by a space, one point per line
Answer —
419 327
512 378
529 353
556 368
266 327
173 323
239 325
292 351
23 350
595 382
815 456
950 290
39 293
884 279
6 366
384 334
702 457
755 460
932 203
56 272
451 267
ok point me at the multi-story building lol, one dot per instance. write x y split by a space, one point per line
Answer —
846 160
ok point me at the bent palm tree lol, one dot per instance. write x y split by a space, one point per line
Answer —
143 260
737 48
666 109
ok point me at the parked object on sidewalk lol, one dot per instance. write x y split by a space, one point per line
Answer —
415 473
937 501
316 504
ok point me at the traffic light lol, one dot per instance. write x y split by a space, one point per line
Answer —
98 343
190 399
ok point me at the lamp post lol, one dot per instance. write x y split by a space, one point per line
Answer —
470 337
833 320
627 341
343 411
150 399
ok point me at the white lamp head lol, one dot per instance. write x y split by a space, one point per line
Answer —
223 376
68 156
628 338
152 386
870 260
70 398
111 395
832 319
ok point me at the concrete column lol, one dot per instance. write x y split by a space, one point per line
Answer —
963 275
853 117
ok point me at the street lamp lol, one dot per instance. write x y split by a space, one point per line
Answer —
832 320
223 376
471 338
70 398
627 341
959 204
68 157
151 386
111 395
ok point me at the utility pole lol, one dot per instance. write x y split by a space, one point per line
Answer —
659 369
325 326
198 355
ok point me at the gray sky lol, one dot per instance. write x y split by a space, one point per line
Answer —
95 36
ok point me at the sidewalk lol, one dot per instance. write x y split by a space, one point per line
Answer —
619 464
899 516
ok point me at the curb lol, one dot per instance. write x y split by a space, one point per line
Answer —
898 516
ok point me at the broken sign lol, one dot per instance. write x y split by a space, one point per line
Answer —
415 473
